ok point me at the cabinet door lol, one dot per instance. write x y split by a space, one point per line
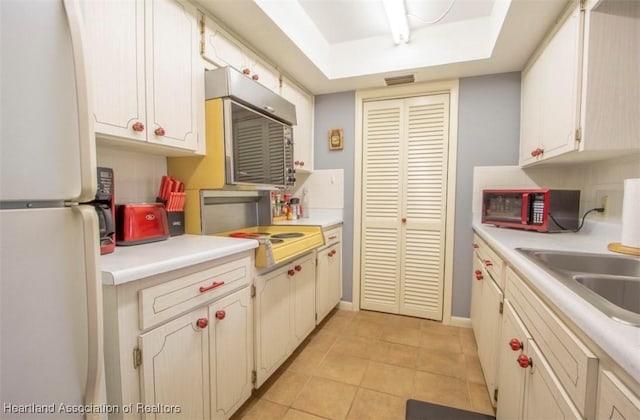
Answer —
477 281
511 376
115 38
273 322
231 346
545 398
303 130
303 289
220 50
490 332
561 94
175 366
615 400
322 284
335 275
175 76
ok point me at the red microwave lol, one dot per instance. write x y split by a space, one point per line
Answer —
542 210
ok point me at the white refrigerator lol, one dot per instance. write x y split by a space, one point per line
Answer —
51 334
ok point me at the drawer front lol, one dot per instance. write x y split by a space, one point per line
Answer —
615 400
573 363
490 260
166 300
332 236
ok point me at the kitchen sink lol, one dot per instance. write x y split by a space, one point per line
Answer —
611 283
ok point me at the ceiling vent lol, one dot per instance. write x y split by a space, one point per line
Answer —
399 80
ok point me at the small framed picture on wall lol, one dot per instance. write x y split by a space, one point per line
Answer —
336 140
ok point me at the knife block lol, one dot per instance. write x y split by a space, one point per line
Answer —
175 219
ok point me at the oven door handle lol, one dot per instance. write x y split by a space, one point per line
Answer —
524 212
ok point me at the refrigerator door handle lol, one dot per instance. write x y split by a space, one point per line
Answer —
95 367
84 94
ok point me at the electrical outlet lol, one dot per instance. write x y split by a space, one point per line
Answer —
604 203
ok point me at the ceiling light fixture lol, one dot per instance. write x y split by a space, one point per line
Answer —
397 16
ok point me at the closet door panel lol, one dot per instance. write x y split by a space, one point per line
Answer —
381 205
425 181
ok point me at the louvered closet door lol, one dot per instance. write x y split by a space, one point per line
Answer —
425 181
405 145
381 205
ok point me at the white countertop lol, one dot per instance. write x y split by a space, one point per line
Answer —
317 217
621 342
130 263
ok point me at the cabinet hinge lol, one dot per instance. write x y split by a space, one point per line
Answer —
253 290
501 307
254 377
583 5
578 134
137 358
202 35
495 394
316 316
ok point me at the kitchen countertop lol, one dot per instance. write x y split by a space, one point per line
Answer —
317 217
621 342
130 263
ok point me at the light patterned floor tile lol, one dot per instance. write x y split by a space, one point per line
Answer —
325 398
370 404
389 379
285 389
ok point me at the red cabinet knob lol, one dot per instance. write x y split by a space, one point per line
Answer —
246 71
297 163
220 314
159 131
291 272
515 344
138 126
479 275
488 263
202 323
255 77
298 267
301 163
537 152
524 361
476 246
332 253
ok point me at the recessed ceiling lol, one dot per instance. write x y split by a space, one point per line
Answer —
337 45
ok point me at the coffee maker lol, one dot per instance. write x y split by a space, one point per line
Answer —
104 204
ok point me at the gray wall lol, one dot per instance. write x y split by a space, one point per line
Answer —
488 134
337 110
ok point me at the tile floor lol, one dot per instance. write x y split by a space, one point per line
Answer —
365 365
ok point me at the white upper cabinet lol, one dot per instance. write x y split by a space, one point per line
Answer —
579 92
221 50
303 130
148 80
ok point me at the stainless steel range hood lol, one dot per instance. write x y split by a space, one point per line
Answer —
228 82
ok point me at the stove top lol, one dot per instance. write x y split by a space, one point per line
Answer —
279 243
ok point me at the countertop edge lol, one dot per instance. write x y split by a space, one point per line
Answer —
189 257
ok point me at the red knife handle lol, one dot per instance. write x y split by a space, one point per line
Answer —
211 286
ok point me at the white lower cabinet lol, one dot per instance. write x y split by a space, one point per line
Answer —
528 388
202 361
486 310
615 400
329 274
190 332
231 352
285 313
175 366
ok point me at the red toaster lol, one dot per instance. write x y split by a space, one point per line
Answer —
141 223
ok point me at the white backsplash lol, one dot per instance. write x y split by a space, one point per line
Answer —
137 175
595 180
325 188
